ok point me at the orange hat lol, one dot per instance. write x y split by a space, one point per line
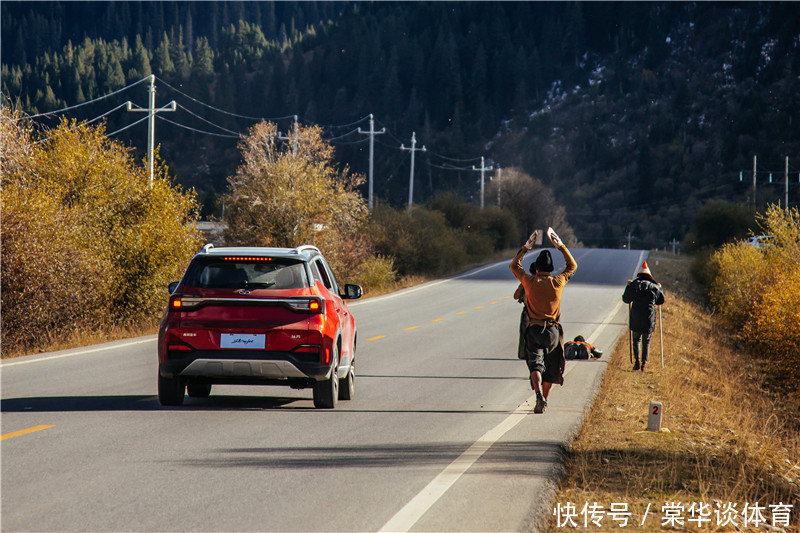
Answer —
644 272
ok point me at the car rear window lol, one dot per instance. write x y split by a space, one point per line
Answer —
246 273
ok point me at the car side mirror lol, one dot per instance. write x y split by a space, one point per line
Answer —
173 286
352 292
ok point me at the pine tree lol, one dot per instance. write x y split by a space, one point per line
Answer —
162 62
203 65
140 62
178 54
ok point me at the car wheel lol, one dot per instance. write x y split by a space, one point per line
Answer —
347 385
326 393
198 390
170 390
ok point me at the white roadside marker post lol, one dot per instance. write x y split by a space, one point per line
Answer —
654 416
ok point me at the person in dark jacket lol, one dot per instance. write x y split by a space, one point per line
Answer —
644 294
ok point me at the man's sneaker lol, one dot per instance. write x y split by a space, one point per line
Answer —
636 365
643 366
541 403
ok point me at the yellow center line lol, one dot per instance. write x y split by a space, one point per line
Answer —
150 399
437 319
23 432
376 337
492 303
461 313
479 307
506 297
410 328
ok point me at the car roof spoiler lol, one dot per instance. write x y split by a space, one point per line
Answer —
306 248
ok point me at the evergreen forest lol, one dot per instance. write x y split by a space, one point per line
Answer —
635 114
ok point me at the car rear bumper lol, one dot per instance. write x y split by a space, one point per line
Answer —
229 366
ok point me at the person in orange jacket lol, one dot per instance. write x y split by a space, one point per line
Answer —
578 348
544 335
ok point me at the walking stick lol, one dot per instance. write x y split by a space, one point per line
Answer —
630 337
661 334
630 332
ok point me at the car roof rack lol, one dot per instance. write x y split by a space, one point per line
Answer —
306 248
206 248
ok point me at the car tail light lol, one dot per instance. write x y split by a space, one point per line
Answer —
174 347
307 348
179 303
311 305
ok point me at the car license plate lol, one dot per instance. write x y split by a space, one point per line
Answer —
242 341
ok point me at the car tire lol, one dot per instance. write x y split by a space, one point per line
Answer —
170 391
347 385
326 392
198 390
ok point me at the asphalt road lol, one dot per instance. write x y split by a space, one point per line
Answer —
440 436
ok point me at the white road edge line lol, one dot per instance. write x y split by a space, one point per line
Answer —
82 352
419 505
410 514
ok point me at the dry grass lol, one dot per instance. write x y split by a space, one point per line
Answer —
80 338
725 438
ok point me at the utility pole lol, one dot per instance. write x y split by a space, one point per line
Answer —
372 133
786 185
483 169
413 149
151 122
629 239
295 136
499 184
754 182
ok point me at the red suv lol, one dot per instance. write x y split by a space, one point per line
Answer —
258 316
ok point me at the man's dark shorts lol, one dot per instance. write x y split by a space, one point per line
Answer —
543 352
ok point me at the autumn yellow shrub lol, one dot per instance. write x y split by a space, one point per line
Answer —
87 242
50 283
757 292
376 273
736 272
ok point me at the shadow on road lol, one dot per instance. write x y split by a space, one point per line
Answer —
77 404
508 458
58 404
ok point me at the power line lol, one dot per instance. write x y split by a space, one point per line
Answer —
152 114
87 122
196 130
221 110
455 158
362 119
57 111
128 126
447 167
386 144
208 121
344 135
